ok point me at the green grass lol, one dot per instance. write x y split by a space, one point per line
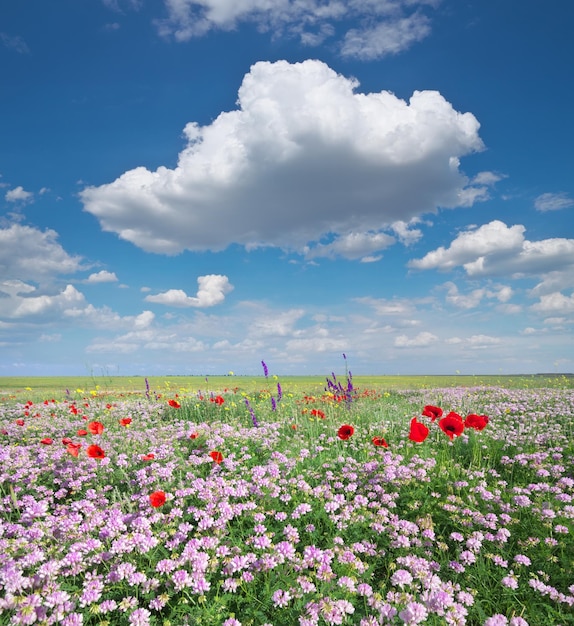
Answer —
39 387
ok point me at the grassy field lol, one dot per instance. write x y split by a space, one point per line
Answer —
61 387
270 502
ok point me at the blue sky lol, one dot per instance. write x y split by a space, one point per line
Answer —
189 187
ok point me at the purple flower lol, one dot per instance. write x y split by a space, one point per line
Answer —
496 620
414 613
252 413
401 577
521 559
265 369
140 617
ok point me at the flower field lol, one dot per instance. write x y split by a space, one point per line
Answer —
348 506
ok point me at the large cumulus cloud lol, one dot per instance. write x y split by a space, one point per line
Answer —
304 155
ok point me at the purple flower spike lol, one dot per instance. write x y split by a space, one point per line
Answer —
265 369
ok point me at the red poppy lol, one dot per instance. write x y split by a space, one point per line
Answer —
74 409
452 425
478 422
432 411
20 422
74 448
379 441
345 432
219 400
318 413
95 452
157 499
96 428
125 421
419 432
47 441
193 436
82 432
148 457
66 441
294 426
174 403
216 456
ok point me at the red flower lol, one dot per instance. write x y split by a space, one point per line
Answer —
20 422
193 436
379 441
318 413
216 456
148 457
219 400
66 441
73 409
345 432
125 421
96 428
452 425
157 499
478 422
174 403
419 432
74 448
82 432
47 441
432 411
95 452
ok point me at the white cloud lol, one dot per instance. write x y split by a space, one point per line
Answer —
553 202
555 304
277 324
487 178
352 246
102 277
104 317
212 291
18 194
385 38
27 253
303 156
496 249
464 301
474 342
38 307
394 308
393 25
422 340
406 235
472 299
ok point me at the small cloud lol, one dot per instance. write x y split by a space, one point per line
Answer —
102 277
53 338
18 194
405 235
421 340
487 178
14 42
553 202
352 246
212 290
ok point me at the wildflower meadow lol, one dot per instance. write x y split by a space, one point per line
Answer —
341 505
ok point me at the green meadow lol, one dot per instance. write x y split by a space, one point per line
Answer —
38 387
